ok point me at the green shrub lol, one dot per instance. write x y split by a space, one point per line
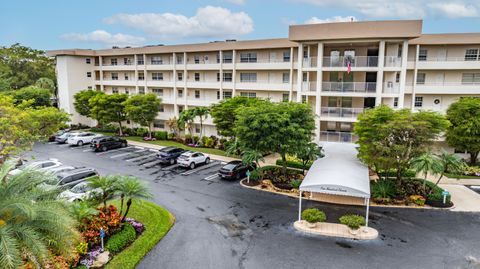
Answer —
127 131
313 215
296 184
107 128
353 221
120 240
209 143
393 173
171 136
293 164
255 175
81 266
196 138
140 131
438 197
160 135
383 189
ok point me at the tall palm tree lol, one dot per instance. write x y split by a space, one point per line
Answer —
250 156
106 185
427 163
202 113
81 210
186 119
32 221
130 188
451 163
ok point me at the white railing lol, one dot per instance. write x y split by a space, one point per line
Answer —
390 87
358 61
118 63
160 61
447 59
448 83
331 136
263 60
369 87
342 112
310 62
393 61
309 86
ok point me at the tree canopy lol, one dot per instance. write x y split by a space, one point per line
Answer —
143 109
82 101
464 131
107 108
41 97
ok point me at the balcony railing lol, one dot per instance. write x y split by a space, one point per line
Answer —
263 60
446 59
368 87
342 112
448 83
310 62
331 136
118 63
390 87
393 61
309 86
358 61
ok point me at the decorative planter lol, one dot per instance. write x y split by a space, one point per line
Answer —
311 225
354 232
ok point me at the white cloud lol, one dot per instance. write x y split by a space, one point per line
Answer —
105 38
403 9
236 2
208 22
332 19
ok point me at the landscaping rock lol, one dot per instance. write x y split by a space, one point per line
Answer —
101 260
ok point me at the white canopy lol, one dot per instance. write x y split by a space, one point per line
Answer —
339 172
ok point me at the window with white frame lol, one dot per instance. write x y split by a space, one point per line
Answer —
197 128
156 60
248 94
125 75
128 92
197 94
197 76
286 56
180 109
158 92
421 78
88 61
227 77
89 87
180 93
159 124
418 101
286 77
227 57
471 55
157 76
285 97
141 90
113 61
114 76
422 54
471 78
395 101
179 59
397 77
248 77
126 61
218 95
304 76
248 57
141 76
227 94
140 60
196 59
179 76
304 98
89 74
161 108
114 90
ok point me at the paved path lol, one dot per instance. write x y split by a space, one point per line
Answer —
463 198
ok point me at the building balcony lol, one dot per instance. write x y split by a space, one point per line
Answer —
263 85
309 86
340 112
159 83
357 61
116 67
448 88
114 82
349 87
391 88
331 136
440 63
203 65
310 62
263 64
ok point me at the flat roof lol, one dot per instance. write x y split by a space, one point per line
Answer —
338 173
447 39
356 30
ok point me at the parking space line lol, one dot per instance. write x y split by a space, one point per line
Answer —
114 150
64 145
170 167
141 157
211 177
151 164
203 167
51 142
85 150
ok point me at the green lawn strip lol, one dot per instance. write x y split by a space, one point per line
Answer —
460 176
157 221
170 143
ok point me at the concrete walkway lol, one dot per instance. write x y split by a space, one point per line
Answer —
463 198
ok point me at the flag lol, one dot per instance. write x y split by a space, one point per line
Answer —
349 67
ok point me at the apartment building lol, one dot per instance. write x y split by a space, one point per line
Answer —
339 69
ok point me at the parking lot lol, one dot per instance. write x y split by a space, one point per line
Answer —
220 224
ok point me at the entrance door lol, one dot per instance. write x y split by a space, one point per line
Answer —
370 81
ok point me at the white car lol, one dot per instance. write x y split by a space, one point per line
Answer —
45 165
61 169
81 138
79 192
62 139
192 159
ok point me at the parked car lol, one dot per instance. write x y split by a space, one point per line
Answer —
169 154
105 143
53 138
192 159
235 170
62 139
81 138
73 177
43 165
60 169
79 192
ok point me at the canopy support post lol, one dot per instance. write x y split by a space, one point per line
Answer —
300 206
367 201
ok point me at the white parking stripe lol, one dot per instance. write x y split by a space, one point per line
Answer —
141 157
85 150
52 143
127 153
114 150
151 164
64 145
212 164
211 177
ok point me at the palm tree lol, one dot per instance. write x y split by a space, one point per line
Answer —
106 185
186 119
252 156
427 163
451 163
81 210
309 152
202 113
130 187
173 125
32 221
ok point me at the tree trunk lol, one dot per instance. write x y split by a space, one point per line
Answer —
438 181
201 128
284 164
150 131
121 203
129 203
473 157
105 195
120 130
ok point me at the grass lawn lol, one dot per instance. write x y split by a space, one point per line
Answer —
170 143
157 221
461 176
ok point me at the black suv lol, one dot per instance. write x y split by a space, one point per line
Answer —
105 143
169 154
235 170
73 177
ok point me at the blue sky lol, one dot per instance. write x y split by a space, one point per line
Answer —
56 24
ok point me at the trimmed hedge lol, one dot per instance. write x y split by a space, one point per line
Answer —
120 240
160 135
313 215
352 221
393 173
293 164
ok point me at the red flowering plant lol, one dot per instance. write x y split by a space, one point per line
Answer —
109 220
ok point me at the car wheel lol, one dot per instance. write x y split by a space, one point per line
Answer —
124 145
172 161
192 165
238 176
207 160
104 148
80 143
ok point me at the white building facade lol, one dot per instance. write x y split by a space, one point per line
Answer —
339 69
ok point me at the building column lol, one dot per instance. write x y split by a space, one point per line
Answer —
318 96
403 74
381 64
299 72
220 55
100 63
234 73
185 78
145 74
135 77
290 76
175 106
415 74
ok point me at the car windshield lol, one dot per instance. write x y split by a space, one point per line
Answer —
81 188
229 166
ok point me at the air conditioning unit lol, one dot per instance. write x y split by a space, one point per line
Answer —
437 100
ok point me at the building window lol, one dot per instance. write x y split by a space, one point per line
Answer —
248 94
471 54
89 87
304 98
218 95
248 77
113 61
156 60
88 61
180 93
141 76
157 76
286 77
304 76
248 57
114 76
227 57
227 95
179 76
196 59
285 97
418 101
227 77
286 56
397 78
197 94
197 128
161 108
197 76
218 76
159 124
141 90
89 74
422 54
421 78
395 102
126 76
158 92
305 52
179 59
471 78
180 109
140 60
127 91
114 90
126 61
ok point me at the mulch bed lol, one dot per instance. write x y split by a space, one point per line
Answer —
252 183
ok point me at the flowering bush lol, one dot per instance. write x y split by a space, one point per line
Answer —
109 220
472 171
91 256
139 227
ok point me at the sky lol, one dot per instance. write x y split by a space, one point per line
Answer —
60 24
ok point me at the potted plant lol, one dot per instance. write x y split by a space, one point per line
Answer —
312 216
354 222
